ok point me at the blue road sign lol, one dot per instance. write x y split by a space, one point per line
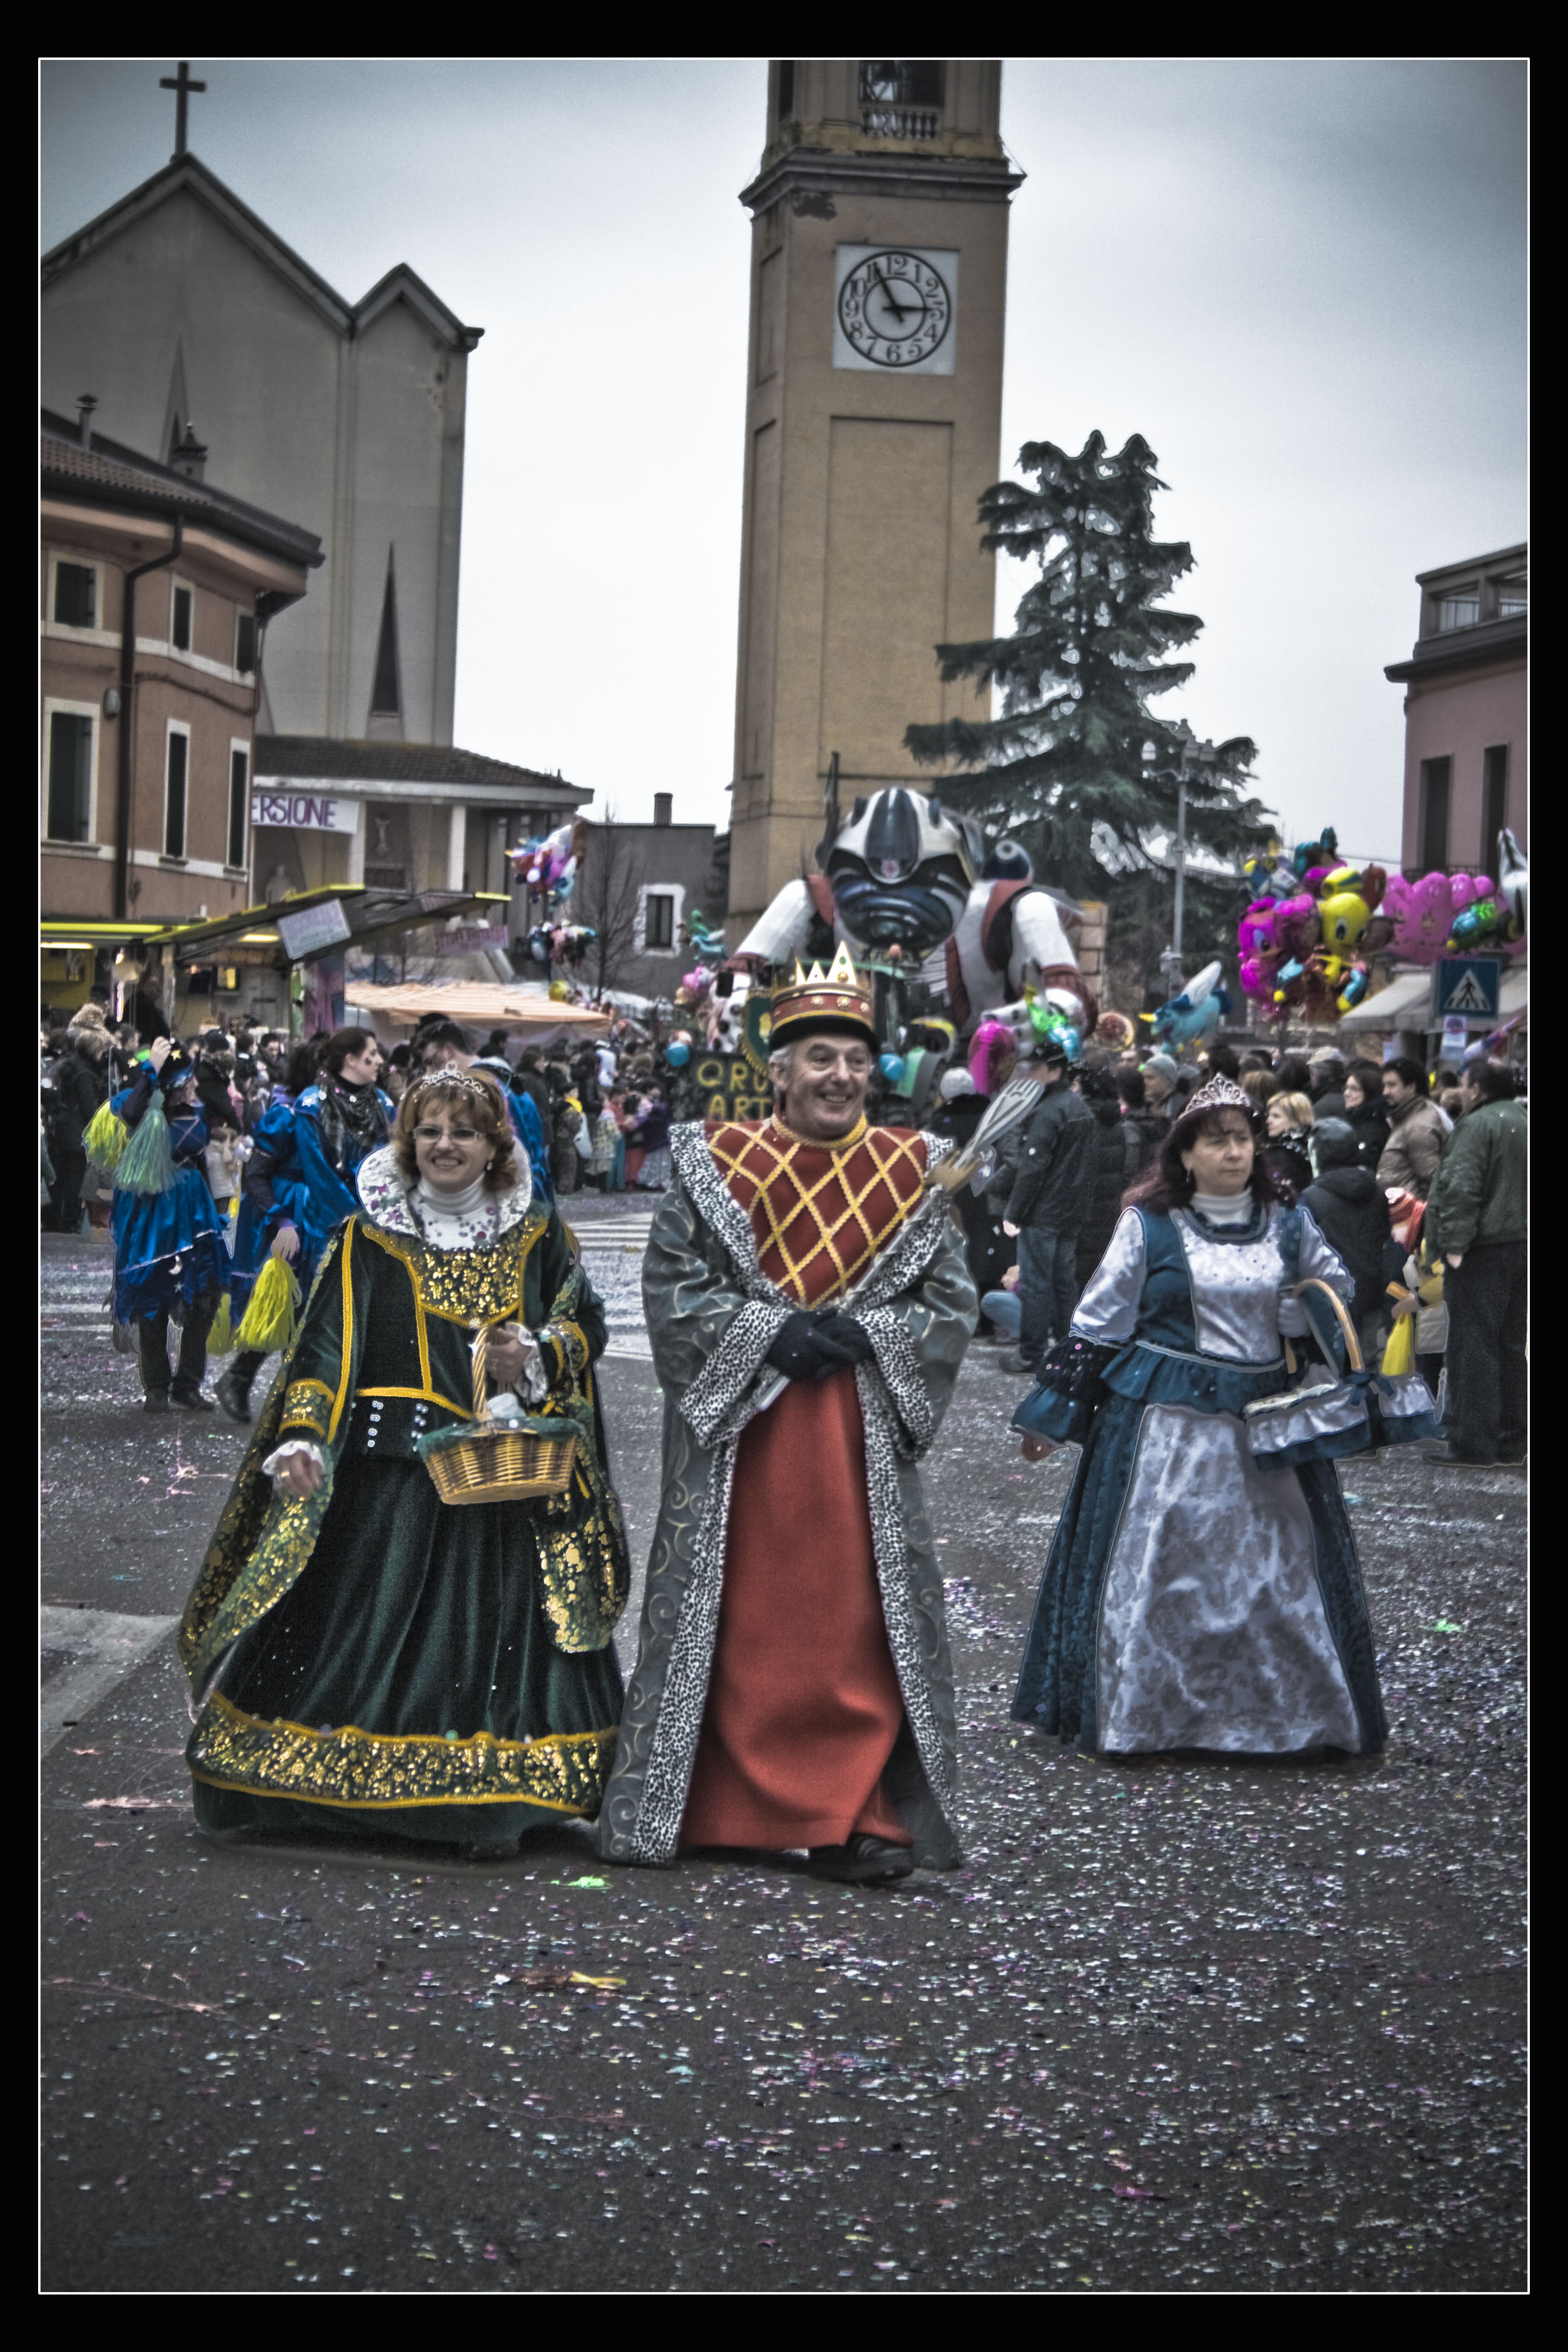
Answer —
1466 987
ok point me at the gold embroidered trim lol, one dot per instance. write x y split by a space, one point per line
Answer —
422 1396
562 1773
348 1344
300 1409
470 1285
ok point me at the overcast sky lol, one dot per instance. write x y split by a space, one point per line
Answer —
1303 283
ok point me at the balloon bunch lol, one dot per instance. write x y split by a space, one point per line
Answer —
1312 924
558 943
709 944
1462 914
547 864
1056 1016
1194 1012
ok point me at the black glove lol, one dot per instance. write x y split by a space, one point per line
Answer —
809 1346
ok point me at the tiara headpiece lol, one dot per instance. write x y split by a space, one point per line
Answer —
1220 1094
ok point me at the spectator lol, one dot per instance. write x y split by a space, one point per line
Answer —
528 1079
79 1083
1476 1219
1146 1128
1160 1075
653 1135
1415 1130
1222 1062
1351 1210
1366 1111
1294 1073
1260 1085
1045 1205
1450 1105
1189 1078
986 1248
1287 1123
1328 1086
1113 1161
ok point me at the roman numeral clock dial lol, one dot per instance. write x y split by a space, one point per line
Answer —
895 308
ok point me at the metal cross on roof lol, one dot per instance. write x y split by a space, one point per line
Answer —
182 85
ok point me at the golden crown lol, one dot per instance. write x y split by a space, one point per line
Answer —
839 994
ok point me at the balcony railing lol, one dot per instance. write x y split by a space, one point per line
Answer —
900 121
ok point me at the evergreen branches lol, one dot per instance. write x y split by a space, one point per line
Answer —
1075 763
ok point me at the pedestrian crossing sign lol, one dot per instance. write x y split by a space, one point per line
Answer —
1468 987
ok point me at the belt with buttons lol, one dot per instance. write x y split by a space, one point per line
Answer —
393 1426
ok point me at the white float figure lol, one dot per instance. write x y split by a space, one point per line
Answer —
903 872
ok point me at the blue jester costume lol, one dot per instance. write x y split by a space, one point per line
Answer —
301 1173
376 1659
170 1260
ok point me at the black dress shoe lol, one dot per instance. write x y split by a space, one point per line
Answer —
865 1861
232 1397
155 1401
191 1399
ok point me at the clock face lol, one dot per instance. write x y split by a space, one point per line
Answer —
895 308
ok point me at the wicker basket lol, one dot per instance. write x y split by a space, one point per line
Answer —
494 1464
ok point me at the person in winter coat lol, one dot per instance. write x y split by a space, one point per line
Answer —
1417 1130
1477 1218
1350 1208
1288 1124
1045 1205
1113 1161
1145 1128
1328 1083
986 1248
1366 1111
79 1083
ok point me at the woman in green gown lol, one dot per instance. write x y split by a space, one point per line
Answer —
363 1655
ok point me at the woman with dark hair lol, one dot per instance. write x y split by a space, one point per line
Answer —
392 1664
1366 1112
298 1182
1113 1161
1192 1599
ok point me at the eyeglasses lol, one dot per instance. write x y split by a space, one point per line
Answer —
448 1134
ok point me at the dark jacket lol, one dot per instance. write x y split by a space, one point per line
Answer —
1351 1210
1371 1122
1288 1158
1108 1171
1145 1132
1330 1103
1053 1161
1480 1194
529 1083
77 1086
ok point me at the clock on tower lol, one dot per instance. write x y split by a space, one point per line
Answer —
878 279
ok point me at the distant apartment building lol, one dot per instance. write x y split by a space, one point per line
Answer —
1466 713
156 588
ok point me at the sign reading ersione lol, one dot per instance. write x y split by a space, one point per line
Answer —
304 812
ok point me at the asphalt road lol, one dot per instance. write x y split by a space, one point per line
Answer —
1173 2027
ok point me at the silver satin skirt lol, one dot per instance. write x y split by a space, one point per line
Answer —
1212 1631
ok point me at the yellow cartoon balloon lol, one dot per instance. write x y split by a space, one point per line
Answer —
1342 914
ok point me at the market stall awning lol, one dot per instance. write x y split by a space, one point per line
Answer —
532 1012
1407 1002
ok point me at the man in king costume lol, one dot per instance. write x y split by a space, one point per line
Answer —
809 1305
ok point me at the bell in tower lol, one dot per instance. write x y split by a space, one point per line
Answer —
878 285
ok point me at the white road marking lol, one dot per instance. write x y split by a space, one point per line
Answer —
103 1647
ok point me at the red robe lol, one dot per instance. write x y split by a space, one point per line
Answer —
803 1705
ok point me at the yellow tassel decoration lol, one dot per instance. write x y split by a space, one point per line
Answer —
220 1338
106 1138
271 1317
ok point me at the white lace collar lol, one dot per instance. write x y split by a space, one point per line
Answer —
386 1203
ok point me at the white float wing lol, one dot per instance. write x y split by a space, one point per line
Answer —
781 930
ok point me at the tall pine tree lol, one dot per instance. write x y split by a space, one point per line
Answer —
1076 766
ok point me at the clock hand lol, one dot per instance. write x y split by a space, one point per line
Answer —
898 308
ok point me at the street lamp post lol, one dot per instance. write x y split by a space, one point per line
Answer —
1193 755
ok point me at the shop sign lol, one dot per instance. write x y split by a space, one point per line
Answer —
313 929
304 812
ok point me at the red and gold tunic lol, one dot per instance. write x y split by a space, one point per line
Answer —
803 1705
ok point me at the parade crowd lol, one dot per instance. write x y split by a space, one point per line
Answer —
1217 1277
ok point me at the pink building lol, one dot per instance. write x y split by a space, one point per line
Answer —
1465 714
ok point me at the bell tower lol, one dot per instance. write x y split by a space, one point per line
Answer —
879 283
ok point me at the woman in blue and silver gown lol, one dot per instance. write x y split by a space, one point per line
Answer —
1191 1598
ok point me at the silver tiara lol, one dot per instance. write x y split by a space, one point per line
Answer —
1220 1094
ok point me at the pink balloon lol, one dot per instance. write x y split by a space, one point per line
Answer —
1254 932
1258 978
1296 925
1423 912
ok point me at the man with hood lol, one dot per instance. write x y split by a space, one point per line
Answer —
1351 1210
